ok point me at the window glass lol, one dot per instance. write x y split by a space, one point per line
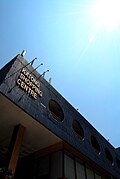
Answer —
56 165
109 156
69 167
95 144
78 129
90 174
118 162
43 166
80 170
97 176
56 110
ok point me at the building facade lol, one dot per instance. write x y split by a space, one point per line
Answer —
45 137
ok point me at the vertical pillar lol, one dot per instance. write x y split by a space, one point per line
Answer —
14 148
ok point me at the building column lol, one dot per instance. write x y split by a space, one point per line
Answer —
14 149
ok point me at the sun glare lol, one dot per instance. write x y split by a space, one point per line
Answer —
107 14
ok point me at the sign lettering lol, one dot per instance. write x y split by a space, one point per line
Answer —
29 84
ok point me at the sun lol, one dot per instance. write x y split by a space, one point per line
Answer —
107 13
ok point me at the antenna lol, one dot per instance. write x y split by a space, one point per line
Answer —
33 61
37 67
43 74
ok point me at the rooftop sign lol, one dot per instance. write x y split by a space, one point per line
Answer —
29 84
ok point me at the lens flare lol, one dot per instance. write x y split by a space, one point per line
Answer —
107 13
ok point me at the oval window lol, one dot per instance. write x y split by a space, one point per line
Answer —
56 110
78 129
118 162
95 144
109 156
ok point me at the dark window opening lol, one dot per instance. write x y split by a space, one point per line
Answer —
109 156
118 162
95 144
78 129
56 110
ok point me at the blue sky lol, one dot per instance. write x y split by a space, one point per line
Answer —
84 61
